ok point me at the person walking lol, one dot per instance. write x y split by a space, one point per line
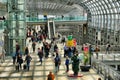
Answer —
40 54
26 51
28 59
47 49
108 49
14 58
55 47
20 61
17 47
65 51
96 51
33 46
57 62
67 63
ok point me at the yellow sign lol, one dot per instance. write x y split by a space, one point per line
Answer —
70 43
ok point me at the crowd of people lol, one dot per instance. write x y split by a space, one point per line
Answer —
18 58
70 53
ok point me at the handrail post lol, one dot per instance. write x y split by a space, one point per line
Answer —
114 57
98 69
102 57
105 75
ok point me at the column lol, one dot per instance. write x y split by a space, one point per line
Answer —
16 25
49 30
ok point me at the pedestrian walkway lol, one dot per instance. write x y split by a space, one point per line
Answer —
40 72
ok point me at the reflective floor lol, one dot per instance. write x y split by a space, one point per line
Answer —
40 72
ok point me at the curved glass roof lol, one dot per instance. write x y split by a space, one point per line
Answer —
105 13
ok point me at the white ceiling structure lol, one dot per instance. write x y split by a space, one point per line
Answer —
54 7
61 7
45 7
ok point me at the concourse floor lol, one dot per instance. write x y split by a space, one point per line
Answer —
40 72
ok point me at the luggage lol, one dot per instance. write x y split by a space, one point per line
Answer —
17 67
24 66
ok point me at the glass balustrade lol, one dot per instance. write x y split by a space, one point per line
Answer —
1 25
79 18
3 1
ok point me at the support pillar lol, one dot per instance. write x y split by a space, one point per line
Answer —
16 25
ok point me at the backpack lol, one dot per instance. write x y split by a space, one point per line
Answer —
57 59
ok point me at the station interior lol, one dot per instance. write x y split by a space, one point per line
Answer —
86 32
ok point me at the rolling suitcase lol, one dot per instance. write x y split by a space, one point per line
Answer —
24 66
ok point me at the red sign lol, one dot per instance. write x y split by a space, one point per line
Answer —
74 42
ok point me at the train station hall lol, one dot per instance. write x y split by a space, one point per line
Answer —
59 39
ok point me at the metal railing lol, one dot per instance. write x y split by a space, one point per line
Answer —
106 71
78 18
113 48
111 57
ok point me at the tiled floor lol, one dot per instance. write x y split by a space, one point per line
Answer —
38 72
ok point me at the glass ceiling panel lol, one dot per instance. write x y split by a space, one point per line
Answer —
110 0
117 4
116 16
94 6
102 2
115 10
105 6
109 5
106 1
102 7
111 10
112 4
107 10
99 3
119 10
97 6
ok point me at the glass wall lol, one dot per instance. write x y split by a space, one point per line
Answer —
16 24
3 1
